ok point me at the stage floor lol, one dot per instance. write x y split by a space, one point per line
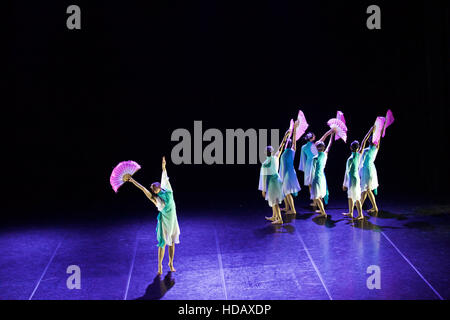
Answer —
233 255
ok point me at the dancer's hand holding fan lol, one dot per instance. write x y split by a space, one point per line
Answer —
339 128
122 173
379 125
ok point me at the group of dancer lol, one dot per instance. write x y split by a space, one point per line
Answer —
278 178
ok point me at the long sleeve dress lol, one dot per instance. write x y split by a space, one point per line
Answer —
288 174
368 171
307 154
167 229
351 179
319 188
270 182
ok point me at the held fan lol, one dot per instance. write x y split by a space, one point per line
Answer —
302 125
340 116
379 124
389 120
123 168
341 128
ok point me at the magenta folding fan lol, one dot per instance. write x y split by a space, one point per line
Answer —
389 120
123 168
379 125
302 125
341 128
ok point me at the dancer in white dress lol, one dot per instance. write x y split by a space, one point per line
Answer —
352 182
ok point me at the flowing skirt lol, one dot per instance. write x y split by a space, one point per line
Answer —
274 190
290 183
167 229
369 178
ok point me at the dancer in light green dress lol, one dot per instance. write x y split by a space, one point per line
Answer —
319 188
167 229
352 182
270 183
369 177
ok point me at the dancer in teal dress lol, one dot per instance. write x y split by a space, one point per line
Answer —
319 188
307 154
270 183
352 182
167 229
291 187
369 177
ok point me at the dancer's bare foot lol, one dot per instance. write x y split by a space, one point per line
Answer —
279 221
348 215
271 218
373 210
291 212
360 217
318 211
172 269
160 270
323 215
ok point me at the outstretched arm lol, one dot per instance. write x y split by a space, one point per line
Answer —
363 144
165 184
278 154
138 185
326 135
330 142
294 140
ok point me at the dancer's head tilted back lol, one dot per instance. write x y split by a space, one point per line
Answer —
354 146
310 137
155 187
269 150
320 146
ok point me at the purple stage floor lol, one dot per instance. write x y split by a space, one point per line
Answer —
233 255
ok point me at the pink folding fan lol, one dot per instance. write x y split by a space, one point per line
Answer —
389 120
341 128
379 125
302 125
340 116
123 168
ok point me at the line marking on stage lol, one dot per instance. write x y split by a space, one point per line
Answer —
219 257
45 270
412 266
132 265
314 265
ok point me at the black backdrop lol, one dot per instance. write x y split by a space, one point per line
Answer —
83 100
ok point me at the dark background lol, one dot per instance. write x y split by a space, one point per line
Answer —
83 100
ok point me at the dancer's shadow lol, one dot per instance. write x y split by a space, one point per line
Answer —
274 228
365 224
158 288
388 215
327 222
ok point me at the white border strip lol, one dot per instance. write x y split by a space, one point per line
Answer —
131 266
45 270
314 265
219 257
412 266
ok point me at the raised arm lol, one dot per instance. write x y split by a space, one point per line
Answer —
363 144
286 135
326 135
330 142
165 184
146 192
294 140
